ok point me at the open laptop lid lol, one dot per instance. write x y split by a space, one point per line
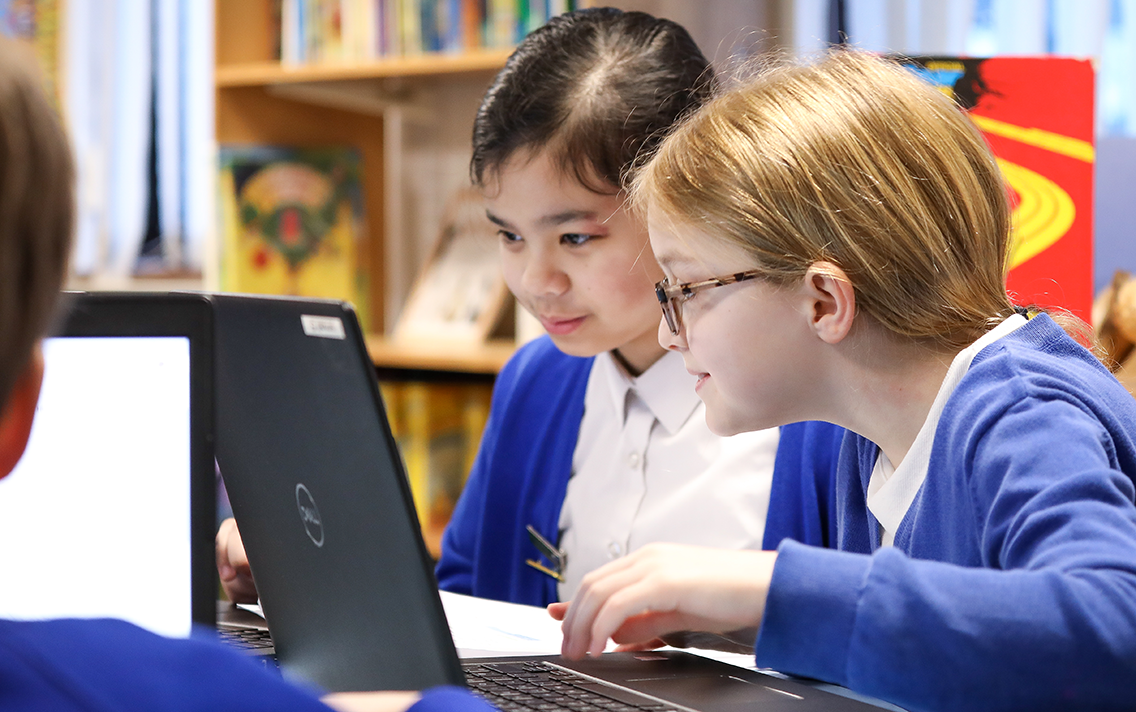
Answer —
320 493
119 473
318 489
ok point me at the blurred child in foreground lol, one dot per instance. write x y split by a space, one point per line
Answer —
99 664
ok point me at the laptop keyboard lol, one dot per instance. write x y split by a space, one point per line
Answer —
541 687
523 686
245 638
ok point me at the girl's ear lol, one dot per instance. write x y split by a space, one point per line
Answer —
832 301
17 414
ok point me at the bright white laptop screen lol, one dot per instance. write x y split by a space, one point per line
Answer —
95 519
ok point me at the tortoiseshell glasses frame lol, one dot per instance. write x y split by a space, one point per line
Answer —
671 296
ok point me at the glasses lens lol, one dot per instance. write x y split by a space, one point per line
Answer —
675 309
671 316
668 306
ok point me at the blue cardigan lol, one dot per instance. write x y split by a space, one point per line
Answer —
104 665
1012 583
521 475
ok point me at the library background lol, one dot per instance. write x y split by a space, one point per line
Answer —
320 147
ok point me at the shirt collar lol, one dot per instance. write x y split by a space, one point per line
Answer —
665 388
892 489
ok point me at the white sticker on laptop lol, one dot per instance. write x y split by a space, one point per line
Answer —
324 327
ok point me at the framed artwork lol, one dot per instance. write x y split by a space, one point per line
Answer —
460 295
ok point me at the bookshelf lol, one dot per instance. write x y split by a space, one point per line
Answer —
264 73
409 117
260 100
436 395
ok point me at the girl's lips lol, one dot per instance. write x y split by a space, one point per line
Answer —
559 326
702 378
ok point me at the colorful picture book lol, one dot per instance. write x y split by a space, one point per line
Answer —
1037 115
292 222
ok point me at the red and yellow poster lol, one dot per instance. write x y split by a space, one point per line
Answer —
1037 115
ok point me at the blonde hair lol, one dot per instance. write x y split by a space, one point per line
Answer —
855 161
35 211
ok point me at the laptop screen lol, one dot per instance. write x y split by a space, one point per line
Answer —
101 498
318 489
111 512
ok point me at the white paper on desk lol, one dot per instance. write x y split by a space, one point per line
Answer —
252 608
483 627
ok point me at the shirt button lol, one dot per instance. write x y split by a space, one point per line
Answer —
614 550
633 460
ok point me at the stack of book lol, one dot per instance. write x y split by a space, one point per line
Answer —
329 31
438 429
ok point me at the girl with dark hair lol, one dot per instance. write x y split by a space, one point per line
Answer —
596 440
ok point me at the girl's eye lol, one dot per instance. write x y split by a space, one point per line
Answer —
509 237
575 238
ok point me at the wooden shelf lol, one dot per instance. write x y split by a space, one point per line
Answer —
245 74
486 358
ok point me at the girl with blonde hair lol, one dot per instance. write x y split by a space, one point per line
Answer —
834 239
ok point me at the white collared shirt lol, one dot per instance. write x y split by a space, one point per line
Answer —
646 468
891 490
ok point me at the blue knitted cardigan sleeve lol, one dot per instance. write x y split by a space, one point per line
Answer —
520 477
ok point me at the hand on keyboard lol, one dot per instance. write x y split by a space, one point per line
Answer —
232 564
664 588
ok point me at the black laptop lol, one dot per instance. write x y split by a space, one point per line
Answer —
347 587
116 489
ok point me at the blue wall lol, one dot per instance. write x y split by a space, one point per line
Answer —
1114 244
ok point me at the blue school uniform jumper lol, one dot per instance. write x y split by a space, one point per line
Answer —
1012 582
521 474
112 666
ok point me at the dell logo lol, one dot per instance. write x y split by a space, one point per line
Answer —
309 515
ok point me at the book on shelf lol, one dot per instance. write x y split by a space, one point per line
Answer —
292 222
1036 113
331 31
36 23
438 428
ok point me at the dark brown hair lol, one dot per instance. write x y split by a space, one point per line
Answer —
36 212
599 87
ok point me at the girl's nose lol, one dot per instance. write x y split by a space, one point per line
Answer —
543 276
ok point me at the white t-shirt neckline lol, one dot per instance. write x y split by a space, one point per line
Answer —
891 489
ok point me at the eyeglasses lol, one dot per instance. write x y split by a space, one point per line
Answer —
671 296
